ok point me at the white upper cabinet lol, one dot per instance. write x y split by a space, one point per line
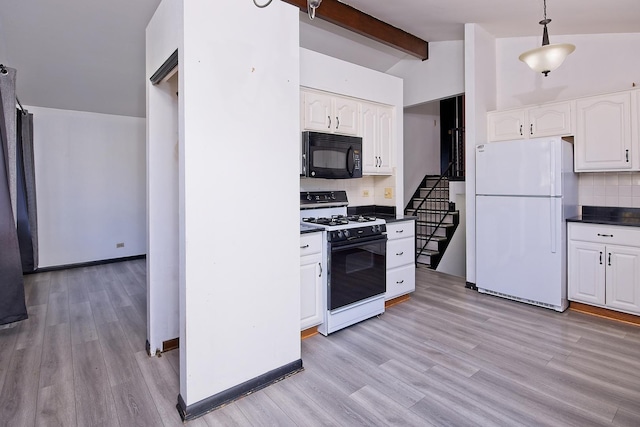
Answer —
329 113
506 125
550 120
531 122
603 134
377 139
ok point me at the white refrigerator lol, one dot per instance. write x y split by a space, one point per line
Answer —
525 190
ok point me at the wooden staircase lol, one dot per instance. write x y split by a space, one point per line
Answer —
437 219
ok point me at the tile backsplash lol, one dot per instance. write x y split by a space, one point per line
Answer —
372 186
620 189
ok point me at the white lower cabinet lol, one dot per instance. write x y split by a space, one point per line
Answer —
604 266
312 272
401 259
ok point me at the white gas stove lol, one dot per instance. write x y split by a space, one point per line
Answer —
355 258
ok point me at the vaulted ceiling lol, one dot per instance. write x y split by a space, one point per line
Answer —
89 55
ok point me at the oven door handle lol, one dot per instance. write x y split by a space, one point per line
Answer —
349 244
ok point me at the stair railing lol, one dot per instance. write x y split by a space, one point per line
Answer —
440 206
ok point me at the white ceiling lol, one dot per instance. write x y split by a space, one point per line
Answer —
89 55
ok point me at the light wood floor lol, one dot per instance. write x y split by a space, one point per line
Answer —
449 356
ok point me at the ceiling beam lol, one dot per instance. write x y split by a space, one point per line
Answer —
352 19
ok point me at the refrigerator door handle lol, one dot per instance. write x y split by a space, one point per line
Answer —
554 219
552 177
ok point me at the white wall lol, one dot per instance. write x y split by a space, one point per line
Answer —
439 77
90 191
163 37
323 72
239 144
601 63
421 145
454 259
480 97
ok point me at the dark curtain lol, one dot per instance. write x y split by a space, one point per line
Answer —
12 303
26 200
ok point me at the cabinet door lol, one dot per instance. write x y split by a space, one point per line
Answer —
586 272
623 278
550 120
603 133
369 138
317 112
506 125
346 116
385 140
310 291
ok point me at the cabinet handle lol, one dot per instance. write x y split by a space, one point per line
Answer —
600 257
399 282
626 155
320 265
605 235
399 253
609 262
329 117
337 122
399 231
531 129
304 247
520 129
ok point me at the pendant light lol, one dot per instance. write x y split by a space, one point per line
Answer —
548 57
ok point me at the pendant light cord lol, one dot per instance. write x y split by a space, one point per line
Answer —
544 2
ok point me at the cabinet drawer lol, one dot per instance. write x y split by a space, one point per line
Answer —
400 230
310 243
400 252
607 234
400 281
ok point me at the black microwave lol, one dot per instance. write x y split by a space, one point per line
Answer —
327 155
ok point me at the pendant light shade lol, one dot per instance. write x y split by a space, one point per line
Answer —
548 57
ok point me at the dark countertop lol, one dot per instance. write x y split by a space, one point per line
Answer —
390 220
388 213
304 229
608 216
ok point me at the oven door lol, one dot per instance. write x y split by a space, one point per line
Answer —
357 270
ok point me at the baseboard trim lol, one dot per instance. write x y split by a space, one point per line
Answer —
223 398
170 344
471 286
85 264
307 333
397 300
604 313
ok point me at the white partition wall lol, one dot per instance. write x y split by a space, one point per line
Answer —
480 94
163 37
239 138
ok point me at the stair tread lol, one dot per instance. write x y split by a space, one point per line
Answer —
429 252
433 238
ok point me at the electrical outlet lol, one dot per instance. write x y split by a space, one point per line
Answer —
365 193
120 245
388 193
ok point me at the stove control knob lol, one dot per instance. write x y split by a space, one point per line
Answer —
373 228
333 196
309 197
346 233
340 234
